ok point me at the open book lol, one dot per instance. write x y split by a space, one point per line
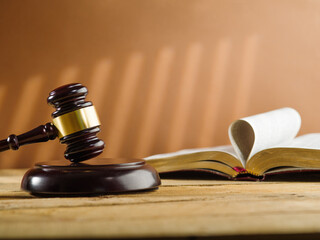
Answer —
260 145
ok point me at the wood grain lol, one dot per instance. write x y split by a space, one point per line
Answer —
180 208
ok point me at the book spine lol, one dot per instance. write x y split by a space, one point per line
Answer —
244 174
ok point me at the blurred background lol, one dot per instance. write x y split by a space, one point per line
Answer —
164 74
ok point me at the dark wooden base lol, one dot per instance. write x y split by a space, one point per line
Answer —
93 177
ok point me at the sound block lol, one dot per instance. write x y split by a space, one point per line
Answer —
93 177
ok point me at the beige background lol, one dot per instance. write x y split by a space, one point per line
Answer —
164 75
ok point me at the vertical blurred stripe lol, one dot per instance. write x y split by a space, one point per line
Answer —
47 151
215 92
246 80
25 104
24 111
184 97
99 82
3 113
68 75
3 89
154 101
129 89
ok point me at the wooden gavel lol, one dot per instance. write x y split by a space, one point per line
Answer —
75 122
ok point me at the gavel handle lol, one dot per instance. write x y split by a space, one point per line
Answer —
43 133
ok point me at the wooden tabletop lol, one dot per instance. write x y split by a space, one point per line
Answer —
178 209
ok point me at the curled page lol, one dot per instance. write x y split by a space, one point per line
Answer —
252 134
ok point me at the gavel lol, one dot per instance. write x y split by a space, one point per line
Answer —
75 122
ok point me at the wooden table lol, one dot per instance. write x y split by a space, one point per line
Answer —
178 209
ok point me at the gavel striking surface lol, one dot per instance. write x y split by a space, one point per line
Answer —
94 177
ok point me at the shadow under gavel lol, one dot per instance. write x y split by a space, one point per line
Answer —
75 122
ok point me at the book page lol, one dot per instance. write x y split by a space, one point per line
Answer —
227 149
307 141
252 134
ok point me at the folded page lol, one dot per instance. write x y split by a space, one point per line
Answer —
252 134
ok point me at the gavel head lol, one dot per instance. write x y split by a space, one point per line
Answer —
76 121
